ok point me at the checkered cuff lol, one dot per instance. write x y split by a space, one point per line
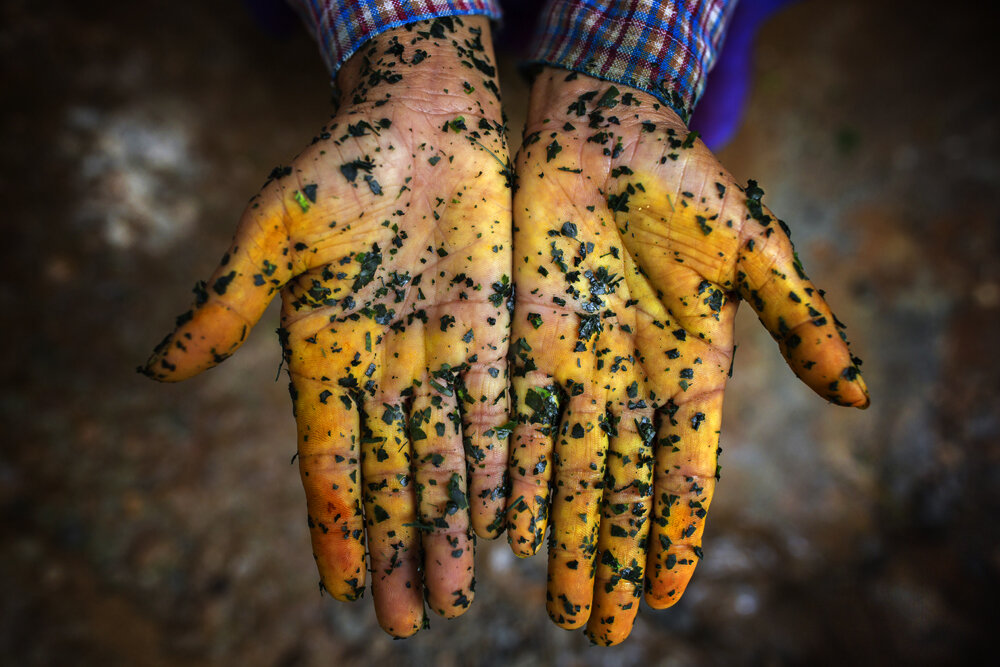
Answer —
342 26
665 48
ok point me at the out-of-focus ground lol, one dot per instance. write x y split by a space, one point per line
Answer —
143 524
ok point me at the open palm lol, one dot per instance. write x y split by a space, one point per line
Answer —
633 246
388 239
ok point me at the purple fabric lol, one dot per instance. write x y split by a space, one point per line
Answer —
720 112
274 17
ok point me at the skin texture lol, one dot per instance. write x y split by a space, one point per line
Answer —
388 240
633 247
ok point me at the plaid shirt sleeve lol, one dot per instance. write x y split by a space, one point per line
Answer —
664 47
342 26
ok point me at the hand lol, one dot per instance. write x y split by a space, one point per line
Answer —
389 241
633 246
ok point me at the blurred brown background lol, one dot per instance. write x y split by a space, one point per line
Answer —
145 524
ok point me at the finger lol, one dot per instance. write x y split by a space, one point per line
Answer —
442 504
326 414
770 278
536 404
485 413
581 446
684 480
231 302
390 517
625 513
329 462
473 334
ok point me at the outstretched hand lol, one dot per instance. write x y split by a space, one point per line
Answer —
388 239
633 247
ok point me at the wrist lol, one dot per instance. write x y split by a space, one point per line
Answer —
560 96
443 65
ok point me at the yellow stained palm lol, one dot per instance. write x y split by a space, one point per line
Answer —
632 249
388 240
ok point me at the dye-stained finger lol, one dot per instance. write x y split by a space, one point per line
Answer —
435 430
685 473
536 406
625 513
226 307
771 279
324 399
487 427
330 466
581 446
391 516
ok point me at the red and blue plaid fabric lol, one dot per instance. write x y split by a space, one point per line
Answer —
342 26
664 47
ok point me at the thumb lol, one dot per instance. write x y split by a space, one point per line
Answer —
229 304
771 279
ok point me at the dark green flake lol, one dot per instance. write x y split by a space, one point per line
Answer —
618 202
690 139
544 405
222 283
589 325
703 224
373 185
552 150
456 494
350 169
697 419
609 99
369 262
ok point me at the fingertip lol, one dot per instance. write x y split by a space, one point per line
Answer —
340 557
665 588
663 600
344 590
456 602
205 337
864 404
449 572
841 385
819 355
855 393
404 625
156 368
145 370
487 496
607 631
856 389
489 527
520 545
568 611
399 602
526 521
